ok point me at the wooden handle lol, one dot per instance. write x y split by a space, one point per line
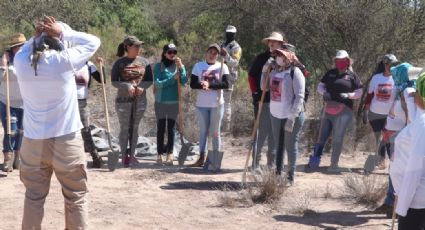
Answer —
8 125
105 103
179 90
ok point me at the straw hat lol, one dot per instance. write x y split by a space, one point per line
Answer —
274 36
16 40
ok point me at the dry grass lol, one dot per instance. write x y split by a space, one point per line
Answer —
268 187
366 189
302 204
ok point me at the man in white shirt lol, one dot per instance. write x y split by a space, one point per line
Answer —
52 139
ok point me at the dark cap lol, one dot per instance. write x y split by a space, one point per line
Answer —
170 46
132 40
389 59
215 46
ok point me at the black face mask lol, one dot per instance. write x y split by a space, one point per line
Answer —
167 62
230 37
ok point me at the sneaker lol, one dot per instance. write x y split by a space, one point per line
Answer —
159 159
126 161
97 162
381 165
133 160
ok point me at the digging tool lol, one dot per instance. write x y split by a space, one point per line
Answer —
256 123
113 155
394 213
9 132
184 151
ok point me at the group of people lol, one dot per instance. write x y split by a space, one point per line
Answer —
50 75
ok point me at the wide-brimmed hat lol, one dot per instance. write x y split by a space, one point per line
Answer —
341 54
214 46
389 59
274 36
413 72
132 40
16 40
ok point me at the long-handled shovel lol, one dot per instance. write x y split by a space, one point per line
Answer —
184 151
9 132
394 213
254 129
113 155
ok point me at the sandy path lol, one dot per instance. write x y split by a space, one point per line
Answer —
153 197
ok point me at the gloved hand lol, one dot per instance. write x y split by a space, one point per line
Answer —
327 96
364 116
289 124
270 62
344 95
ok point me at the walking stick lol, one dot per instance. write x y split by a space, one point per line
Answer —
112 156
394 213
254 129
8 117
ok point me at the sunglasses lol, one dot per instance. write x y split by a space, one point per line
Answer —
172 52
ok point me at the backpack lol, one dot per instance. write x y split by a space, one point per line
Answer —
305 73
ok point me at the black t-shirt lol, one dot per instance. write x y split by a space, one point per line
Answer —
336 83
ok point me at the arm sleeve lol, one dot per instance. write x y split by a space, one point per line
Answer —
356 94
233 60
147 80
164 82
371 87
368 100
412 174
85 46
115 78
183 75
223 84
194 82
298 85
321 88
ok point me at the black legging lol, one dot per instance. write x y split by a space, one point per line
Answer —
166 115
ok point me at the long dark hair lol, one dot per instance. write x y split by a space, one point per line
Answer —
380 68
121 49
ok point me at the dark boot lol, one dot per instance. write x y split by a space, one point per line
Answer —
97 160
314 160
17 160
200 162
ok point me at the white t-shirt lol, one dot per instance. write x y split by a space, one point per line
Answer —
82 78
286 95
209 98
407 169
399 121
50 98
384 93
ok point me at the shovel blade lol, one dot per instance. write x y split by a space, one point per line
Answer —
370 163
112 160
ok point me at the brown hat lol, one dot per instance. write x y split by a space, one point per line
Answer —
215 46
132 40
16 40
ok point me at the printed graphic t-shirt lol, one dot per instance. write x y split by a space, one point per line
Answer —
209 98
384 93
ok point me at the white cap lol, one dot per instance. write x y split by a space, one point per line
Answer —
413 72
341 54
230 29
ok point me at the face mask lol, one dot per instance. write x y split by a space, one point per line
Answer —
230 37
341 65
281 62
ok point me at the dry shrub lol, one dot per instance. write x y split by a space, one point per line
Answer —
231 198
302 204
366 189
267 187
328 191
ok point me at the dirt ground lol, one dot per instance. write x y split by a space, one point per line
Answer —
158 197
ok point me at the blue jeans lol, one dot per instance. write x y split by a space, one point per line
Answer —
209 123
286 141
335 124
264 132
15 141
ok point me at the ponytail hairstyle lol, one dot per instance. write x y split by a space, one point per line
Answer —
380 68
121 49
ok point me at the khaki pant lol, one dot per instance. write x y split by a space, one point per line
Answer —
65 156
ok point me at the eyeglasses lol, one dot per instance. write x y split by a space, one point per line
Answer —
172 52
